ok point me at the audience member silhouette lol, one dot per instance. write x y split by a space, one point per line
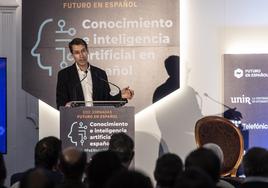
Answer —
167 168
194 178
123 146
206 160
47 152
216 150
72 165
129 179
46 155
37 178
219 153
3 172
102 166
255 164
172 65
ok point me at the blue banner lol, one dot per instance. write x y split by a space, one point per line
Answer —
3 105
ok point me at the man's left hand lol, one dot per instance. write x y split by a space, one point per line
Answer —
127 93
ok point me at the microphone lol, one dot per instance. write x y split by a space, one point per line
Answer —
206 95
106 81
231 113
124 101
75 87
84 76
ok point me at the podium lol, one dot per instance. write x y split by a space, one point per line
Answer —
90 128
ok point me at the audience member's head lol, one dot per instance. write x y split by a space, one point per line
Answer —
167 168
206 160
216 149
123 145
255 162
36 178
47 152
3 172
129 179
102 166
73 163
194 178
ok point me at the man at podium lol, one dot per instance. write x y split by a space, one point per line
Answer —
85 82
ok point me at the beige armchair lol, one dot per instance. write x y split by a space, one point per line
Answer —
221 131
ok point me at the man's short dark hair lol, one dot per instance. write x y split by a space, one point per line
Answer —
77 41
123 145
167 168
47 152
73 166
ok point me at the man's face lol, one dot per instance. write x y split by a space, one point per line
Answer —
80 54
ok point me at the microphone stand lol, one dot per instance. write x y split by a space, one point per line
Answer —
124 101
231 113
75 92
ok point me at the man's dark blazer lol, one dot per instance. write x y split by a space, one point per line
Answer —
69 87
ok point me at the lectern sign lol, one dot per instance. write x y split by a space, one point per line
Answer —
90 128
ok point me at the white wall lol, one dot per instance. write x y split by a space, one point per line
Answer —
22 112
209 28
